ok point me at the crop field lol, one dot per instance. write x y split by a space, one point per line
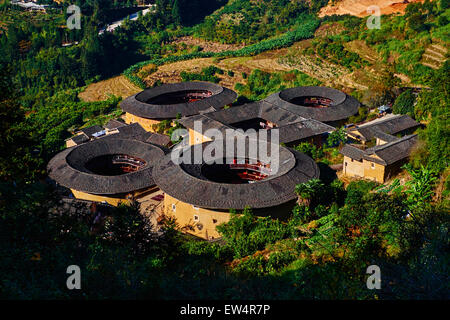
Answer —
117 86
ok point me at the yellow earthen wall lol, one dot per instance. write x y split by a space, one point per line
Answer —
365 169
92 197
70 143
145 123
196 138
114 200
184 214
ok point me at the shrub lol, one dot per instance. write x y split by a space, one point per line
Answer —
310 150
337 138
404 104
246 233
207 74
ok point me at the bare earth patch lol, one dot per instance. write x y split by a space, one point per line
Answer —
359 7
118 86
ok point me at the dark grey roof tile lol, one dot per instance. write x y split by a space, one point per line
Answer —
193 188
384 154
138 104
114 124
89 131
341 107
68 168
392 125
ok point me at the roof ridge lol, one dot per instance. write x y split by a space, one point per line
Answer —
389 144
284 109
368 125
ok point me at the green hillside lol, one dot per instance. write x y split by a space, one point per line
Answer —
251 21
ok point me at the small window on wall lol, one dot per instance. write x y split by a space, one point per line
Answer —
373 165
196 217
214 220
346 163
174 207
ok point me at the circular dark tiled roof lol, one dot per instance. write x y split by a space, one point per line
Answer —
141 104
342 106
187 183
69 168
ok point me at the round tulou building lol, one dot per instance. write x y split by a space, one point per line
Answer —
169 101
199 194
323 104
111 170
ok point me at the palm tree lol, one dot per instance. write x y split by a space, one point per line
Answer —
421 188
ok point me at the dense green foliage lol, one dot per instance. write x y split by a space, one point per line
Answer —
404 104
246 234
310 149
328 153
337 137
363 112
16 158
249 22
51 121
172 13
325 242
435 147
421 187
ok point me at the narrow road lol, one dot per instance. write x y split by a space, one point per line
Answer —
134 16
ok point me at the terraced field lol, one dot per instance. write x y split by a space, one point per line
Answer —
434 57
118 86
207 46
267 61
286 59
